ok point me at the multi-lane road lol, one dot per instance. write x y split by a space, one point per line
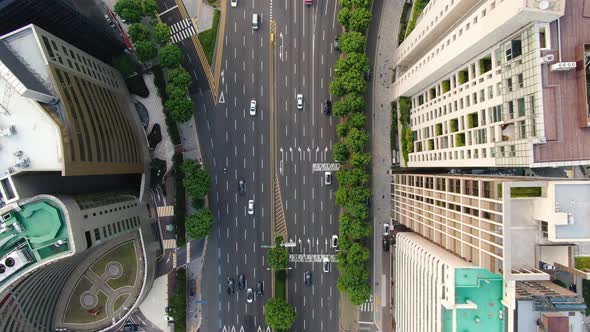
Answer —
298 60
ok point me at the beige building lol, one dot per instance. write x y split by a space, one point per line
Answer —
497 83
510 226
63 110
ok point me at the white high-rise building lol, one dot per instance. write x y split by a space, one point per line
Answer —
496 83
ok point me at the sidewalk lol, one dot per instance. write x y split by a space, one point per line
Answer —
381 151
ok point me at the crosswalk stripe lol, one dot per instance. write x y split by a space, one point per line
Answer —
170 244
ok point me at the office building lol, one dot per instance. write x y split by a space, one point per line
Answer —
497 83
514 227
78 22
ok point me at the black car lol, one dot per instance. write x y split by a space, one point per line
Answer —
307 278
385 243
231 285
242 186
259 288
242 282
327 107
369 74
336 43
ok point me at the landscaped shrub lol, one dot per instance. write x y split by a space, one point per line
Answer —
485 65
454 125
430 144
459 140
472 120
446 86
438 129
463 76
417 9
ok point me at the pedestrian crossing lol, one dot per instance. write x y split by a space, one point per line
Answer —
166 211
182 30
169 244
367 306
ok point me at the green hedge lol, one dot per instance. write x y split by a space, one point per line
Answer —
403 22
582 262
178 301
525 192
281 284
417 9
208 37
160 83
394 128
586 294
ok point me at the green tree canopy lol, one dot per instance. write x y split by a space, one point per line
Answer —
129 10
150 8
352 82
352 42
340 152
354 281
145 50
342 129
344 17
360 160
356 139
348 177
179 77
357 120
175 92
354 228
359 20
278 258
199 225
196 180
162 32
337 87
358 62
278 314
170 56
356 253
349 103
139 32
124 64
179 109
354 3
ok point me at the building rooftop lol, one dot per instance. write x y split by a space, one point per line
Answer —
29 235
30 138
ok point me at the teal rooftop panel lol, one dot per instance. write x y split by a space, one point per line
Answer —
481 292
30 235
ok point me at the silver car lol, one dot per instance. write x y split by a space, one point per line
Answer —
253 107
249 295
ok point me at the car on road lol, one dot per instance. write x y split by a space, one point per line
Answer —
253 107
249 295
327 107
548 267
307 278
241 282
299 101
251 207
385 243
386 228
308 2
231 285
234 3
255 21
369 74
259 288
328 178
337 43
242 186
334 242
326 264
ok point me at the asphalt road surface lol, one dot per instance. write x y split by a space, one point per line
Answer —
305 57
231 138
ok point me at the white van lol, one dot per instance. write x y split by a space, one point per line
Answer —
255 21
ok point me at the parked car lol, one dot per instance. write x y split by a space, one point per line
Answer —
307 278
386 228
242 186
326 264
337 43
369 74
251 207
299 101
249 295
259 288
234 3
231 285
253 107
328 178
385 243
241 282
548 267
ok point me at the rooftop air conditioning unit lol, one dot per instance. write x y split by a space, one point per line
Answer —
563 66
547 59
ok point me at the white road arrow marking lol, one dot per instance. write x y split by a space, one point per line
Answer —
221 98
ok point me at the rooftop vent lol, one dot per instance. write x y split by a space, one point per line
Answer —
13 262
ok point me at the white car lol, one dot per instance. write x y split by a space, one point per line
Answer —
299 101
251 207
326 264
328 178
234 3
249 295
335 241
253 107
385 229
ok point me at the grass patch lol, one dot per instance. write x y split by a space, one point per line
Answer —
208 37
281 284
417 9
119 301
125 254
582 262
178 301
525 192
179 201
75 313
